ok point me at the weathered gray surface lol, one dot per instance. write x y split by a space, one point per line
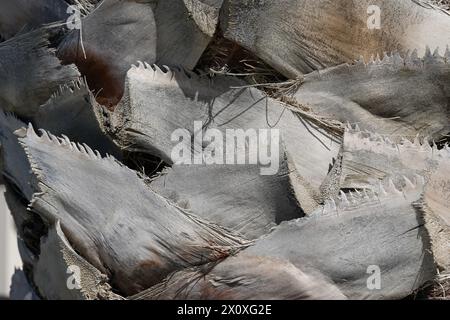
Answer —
237 197
345 237
70 111
24 15
61 274
244 278
131 234
30 73
299 36
156 103
396 97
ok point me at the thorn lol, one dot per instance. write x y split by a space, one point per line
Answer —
398 60
388 141
89 150
417 141
387 59
30 130
392 188
348 126
406 142
66 139
44 134
436 53
344 198
157 69
377 59
381 189
366 195
352 197
361 60
414 56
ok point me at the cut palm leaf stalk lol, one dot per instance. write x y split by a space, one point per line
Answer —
243 278
131 234
368 158
436 206
61 274
397 97
30 73
299 36
70 111
18 16
360 233
119 33
158 104
110 39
